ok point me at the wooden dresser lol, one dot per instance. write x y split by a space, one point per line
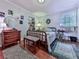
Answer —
10 37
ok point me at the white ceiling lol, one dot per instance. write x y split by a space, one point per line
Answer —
49 6
32 5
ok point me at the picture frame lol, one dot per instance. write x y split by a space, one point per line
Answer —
2 14
21 22
22 17
10 12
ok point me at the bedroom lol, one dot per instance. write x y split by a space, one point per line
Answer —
58 20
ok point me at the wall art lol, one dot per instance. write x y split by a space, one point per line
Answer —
10 12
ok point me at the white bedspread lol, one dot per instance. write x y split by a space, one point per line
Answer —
65 50
50 38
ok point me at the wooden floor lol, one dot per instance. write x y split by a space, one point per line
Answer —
1 54
41 54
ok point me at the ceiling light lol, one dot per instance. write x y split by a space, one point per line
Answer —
41 1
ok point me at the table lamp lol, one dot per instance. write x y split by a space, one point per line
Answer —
39 26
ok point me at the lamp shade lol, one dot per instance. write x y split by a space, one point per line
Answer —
39 24
41 1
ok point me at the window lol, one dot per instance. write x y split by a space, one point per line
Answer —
68 19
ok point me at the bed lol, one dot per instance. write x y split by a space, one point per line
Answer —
47 37
51 36
64 51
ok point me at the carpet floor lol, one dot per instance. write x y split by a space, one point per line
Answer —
76 49
16 52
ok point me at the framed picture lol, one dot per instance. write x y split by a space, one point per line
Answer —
2 14
10 12
22 17
21 22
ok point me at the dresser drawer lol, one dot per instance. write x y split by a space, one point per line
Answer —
9 37
11 40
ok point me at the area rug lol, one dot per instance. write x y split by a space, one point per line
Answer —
64 51
16 52
76 48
